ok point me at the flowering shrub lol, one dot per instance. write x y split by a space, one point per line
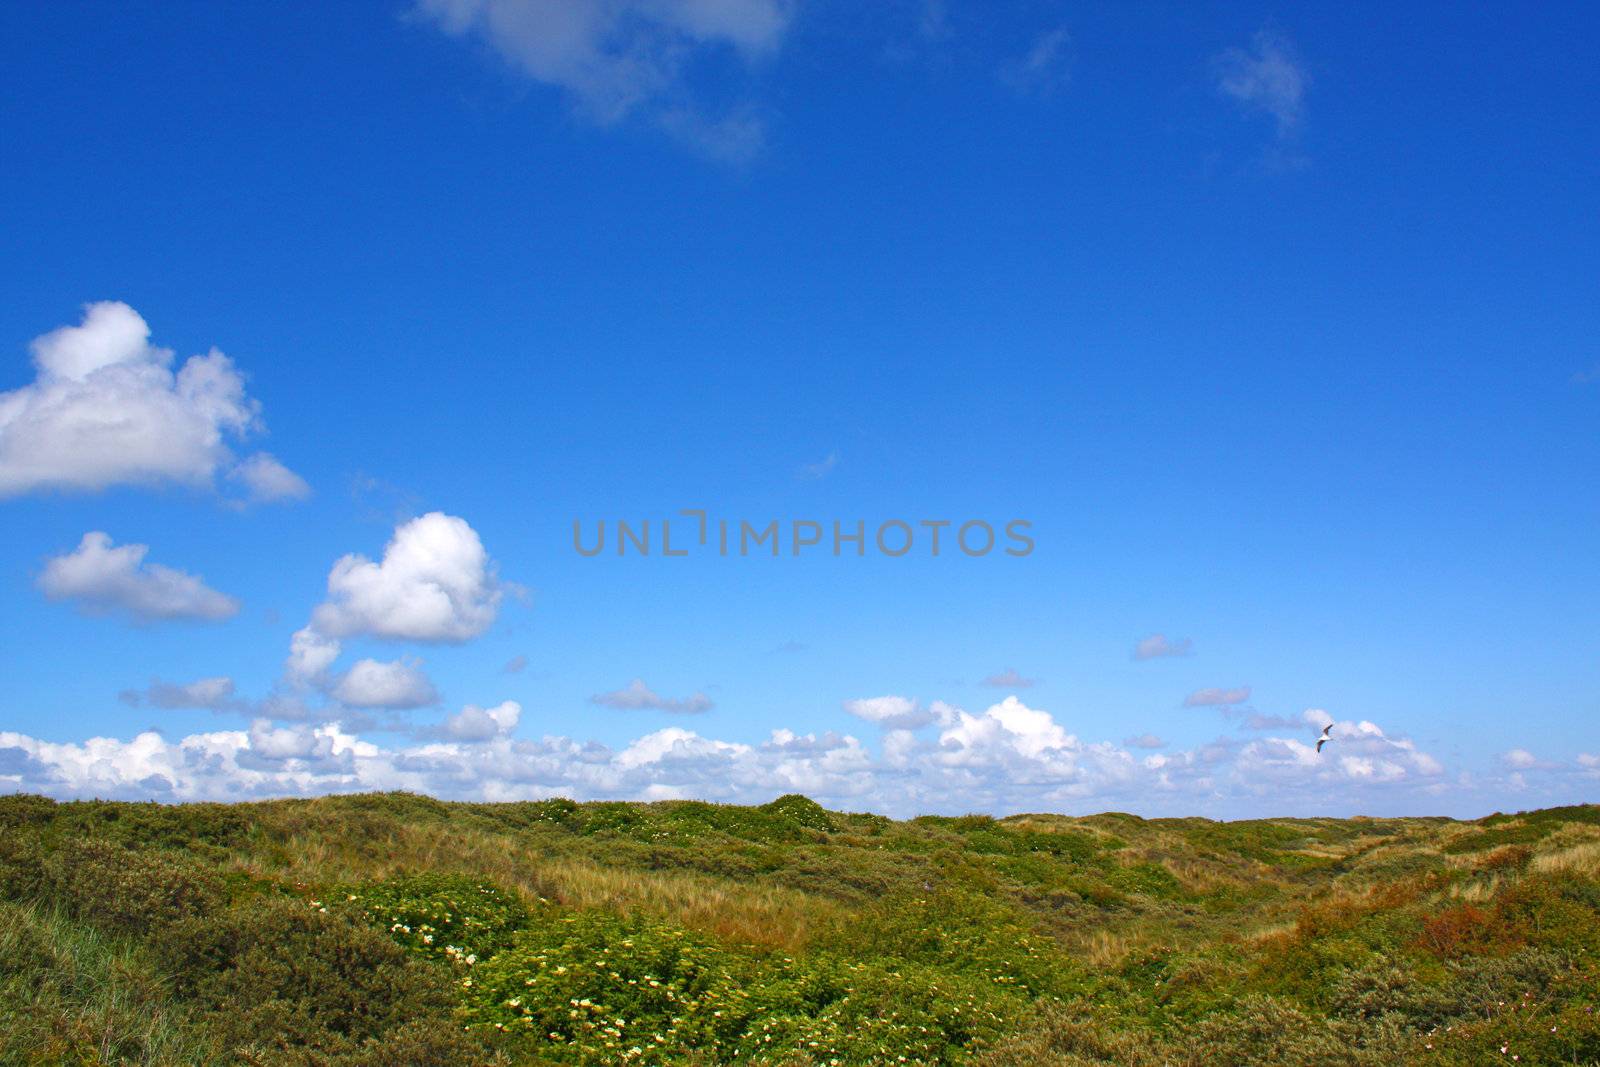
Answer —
462 920
598 988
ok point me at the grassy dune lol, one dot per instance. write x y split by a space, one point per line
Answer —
396 929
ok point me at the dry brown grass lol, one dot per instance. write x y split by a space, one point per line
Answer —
753 913
1583 859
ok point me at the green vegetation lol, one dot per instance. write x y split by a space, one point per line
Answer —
397 929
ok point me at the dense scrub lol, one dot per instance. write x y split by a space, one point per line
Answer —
395 929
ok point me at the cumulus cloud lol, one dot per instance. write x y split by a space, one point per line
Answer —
1216 698
1145 741
106 408
1009 679
103 579
636 696
1268 77
1359 752
616 58
310 656
396 685
473 723
435 583
899 713
1157 646
1044 68
1009 757
515 665
210 694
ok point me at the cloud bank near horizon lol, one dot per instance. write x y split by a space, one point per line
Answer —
1005 759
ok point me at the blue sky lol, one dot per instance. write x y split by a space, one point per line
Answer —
1277 323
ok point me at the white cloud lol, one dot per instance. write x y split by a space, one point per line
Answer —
212 694
473 723
1216 698
636 696
106 409
899 713
615 58
291 742
1359 751
396 684
1008 758
310 656
268 480
435 583
104 579
1009 679
1145 741
1157 646
1267 76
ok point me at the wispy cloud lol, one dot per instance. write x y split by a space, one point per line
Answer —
636 696
821 469
1156 646
1045 68
1268 77
210 694
1009 678
619 58
1217 698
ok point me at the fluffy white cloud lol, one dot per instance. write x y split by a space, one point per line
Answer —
614 58
103 579
310 656
1215 698
473 723
898 713
1157 646
1267 76
1358 752
396 684
636 696
107 409
1010 757
435 583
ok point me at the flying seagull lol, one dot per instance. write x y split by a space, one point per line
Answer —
1324 739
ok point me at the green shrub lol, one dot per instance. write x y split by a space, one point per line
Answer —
802 811
127 891
449 917
296 984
